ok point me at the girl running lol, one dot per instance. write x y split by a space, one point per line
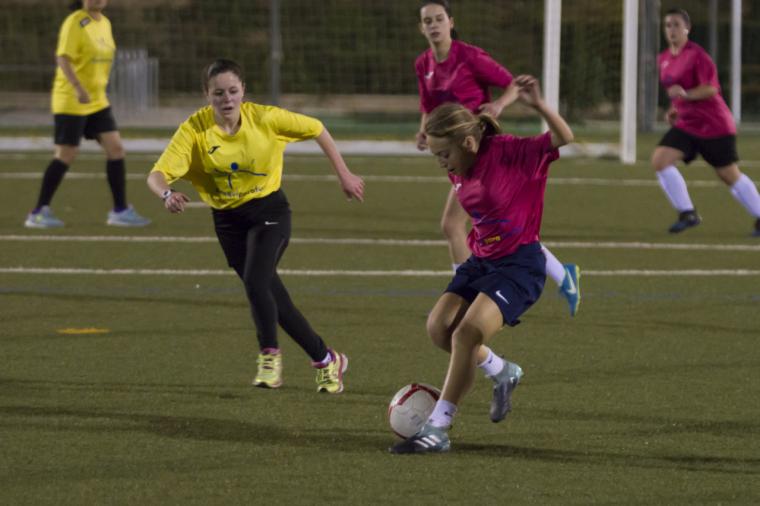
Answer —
232 153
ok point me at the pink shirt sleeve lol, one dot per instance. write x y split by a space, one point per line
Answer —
487 70
706 71
530 155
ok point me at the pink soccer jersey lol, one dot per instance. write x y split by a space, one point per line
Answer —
690 68
464 77
503 192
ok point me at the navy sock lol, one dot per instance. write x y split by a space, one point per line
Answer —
50 182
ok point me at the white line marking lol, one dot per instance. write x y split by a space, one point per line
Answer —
357 273
383 242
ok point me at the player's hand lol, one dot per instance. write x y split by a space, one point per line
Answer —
676 91
175 202
83 96
528 90
421 140
353 186
671 116
491 108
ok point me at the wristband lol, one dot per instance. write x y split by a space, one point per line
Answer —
165 195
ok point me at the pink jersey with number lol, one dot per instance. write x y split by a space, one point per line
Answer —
692 67
463 77
503 192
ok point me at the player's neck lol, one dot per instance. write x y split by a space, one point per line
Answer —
229 126
95 14
677 47
441 50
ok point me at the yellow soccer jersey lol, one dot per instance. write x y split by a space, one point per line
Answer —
90 47
230 170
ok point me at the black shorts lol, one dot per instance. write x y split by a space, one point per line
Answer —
270 215
513 282
70 128
718 152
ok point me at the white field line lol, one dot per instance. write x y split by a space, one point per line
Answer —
357 273
573 181
381 242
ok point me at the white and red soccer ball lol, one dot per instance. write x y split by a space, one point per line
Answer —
410 408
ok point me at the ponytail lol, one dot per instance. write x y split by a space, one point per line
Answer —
489 125
454 121
75 6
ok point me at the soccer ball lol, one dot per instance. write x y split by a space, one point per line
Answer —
410 408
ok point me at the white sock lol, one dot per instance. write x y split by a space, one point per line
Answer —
674 186
493 364
455 266
554 269
745 192
442 415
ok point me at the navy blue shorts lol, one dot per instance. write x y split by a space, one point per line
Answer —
513 282
69 128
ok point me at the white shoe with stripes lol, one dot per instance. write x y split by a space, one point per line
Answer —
429 439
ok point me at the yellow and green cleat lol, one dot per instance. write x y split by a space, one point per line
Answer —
269 373
330 377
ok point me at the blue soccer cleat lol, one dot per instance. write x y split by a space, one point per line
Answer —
126 218
504 384
571 287
429 439
44 218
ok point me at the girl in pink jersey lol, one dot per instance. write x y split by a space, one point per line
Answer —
499 180
701 124
452 71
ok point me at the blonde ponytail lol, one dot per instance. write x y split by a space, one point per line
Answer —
454 121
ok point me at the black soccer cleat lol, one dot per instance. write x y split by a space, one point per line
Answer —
686 219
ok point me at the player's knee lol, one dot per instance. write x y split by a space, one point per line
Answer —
467 335
66 154
657 162
116 152
439 334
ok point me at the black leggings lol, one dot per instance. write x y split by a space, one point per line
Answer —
254 237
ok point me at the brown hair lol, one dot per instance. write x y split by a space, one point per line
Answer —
217 67
446 7
455 122
677 11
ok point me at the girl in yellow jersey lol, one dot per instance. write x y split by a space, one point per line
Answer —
232 153
80 107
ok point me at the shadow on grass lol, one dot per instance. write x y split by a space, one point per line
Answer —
187 427
700 463
339 439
